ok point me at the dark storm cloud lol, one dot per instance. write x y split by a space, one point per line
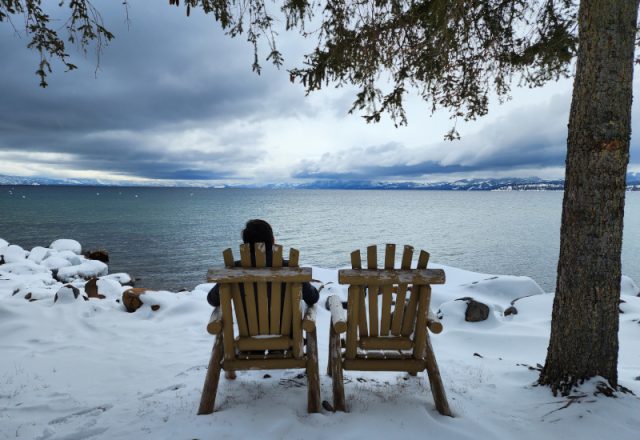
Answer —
163 74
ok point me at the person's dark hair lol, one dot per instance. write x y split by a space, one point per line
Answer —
258 231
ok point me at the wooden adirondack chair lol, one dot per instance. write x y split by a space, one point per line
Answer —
269 329
396 338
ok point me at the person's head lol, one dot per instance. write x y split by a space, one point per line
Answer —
258 231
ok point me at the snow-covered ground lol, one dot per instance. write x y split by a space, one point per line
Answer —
75 368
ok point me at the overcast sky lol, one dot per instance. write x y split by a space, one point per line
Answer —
174 98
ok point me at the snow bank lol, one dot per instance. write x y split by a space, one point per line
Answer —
75 369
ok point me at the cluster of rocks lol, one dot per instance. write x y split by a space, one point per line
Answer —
60 271
65 273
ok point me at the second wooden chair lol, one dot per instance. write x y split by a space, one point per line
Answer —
396 337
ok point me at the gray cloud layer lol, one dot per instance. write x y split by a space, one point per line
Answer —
174 98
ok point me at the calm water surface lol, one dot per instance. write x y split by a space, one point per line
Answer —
168 237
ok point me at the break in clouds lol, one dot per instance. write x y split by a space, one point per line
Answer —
174 98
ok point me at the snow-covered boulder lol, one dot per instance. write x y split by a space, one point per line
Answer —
65 244
86 270
66 294
71 257
3 243
55 262
13 254
38 254
122 278
110 288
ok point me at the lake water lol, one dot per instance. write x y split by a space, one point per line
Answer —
168 237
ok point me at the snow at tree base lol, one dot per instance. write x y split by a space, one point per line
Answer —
75 364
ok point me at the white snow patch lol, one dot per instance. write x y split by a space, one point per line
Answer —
628 286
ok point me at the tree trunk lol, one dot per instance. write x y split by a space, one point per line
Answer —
584 327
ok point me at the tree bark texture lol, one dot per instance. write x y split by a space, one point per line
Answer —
584 327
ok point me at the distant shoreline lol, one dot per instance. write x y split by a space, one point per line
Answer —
496 188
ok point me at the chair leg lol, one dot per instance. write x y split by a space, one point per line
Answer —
210 388
335 354
313 376
437 389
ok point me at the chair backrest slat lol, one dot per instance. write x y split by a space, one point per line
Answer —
227 322
249 293
356 263
238 306
276 293
353 314
261 287
387 292
398 313
285 328
372 291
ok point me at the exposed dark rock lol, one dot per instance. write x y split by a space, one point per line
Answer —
511 311
155 307
98 254
327 406
131 298
476 311
91 289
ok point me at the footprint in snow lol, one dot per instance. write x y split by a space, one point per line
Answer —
94 411
162 390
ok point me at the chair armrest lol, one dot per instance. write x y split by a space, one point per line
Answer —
309 319
338 314
215 322
433 323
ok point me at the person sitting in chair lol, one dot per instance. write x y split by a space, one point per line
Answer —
259 231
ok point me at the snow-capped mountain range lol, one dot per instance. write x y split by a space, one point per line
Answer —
488 184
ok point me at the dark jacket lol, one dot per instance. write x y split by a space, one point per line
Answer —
310 294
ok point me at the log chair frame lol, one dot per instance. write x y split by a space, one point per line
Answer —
397 338
272 325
